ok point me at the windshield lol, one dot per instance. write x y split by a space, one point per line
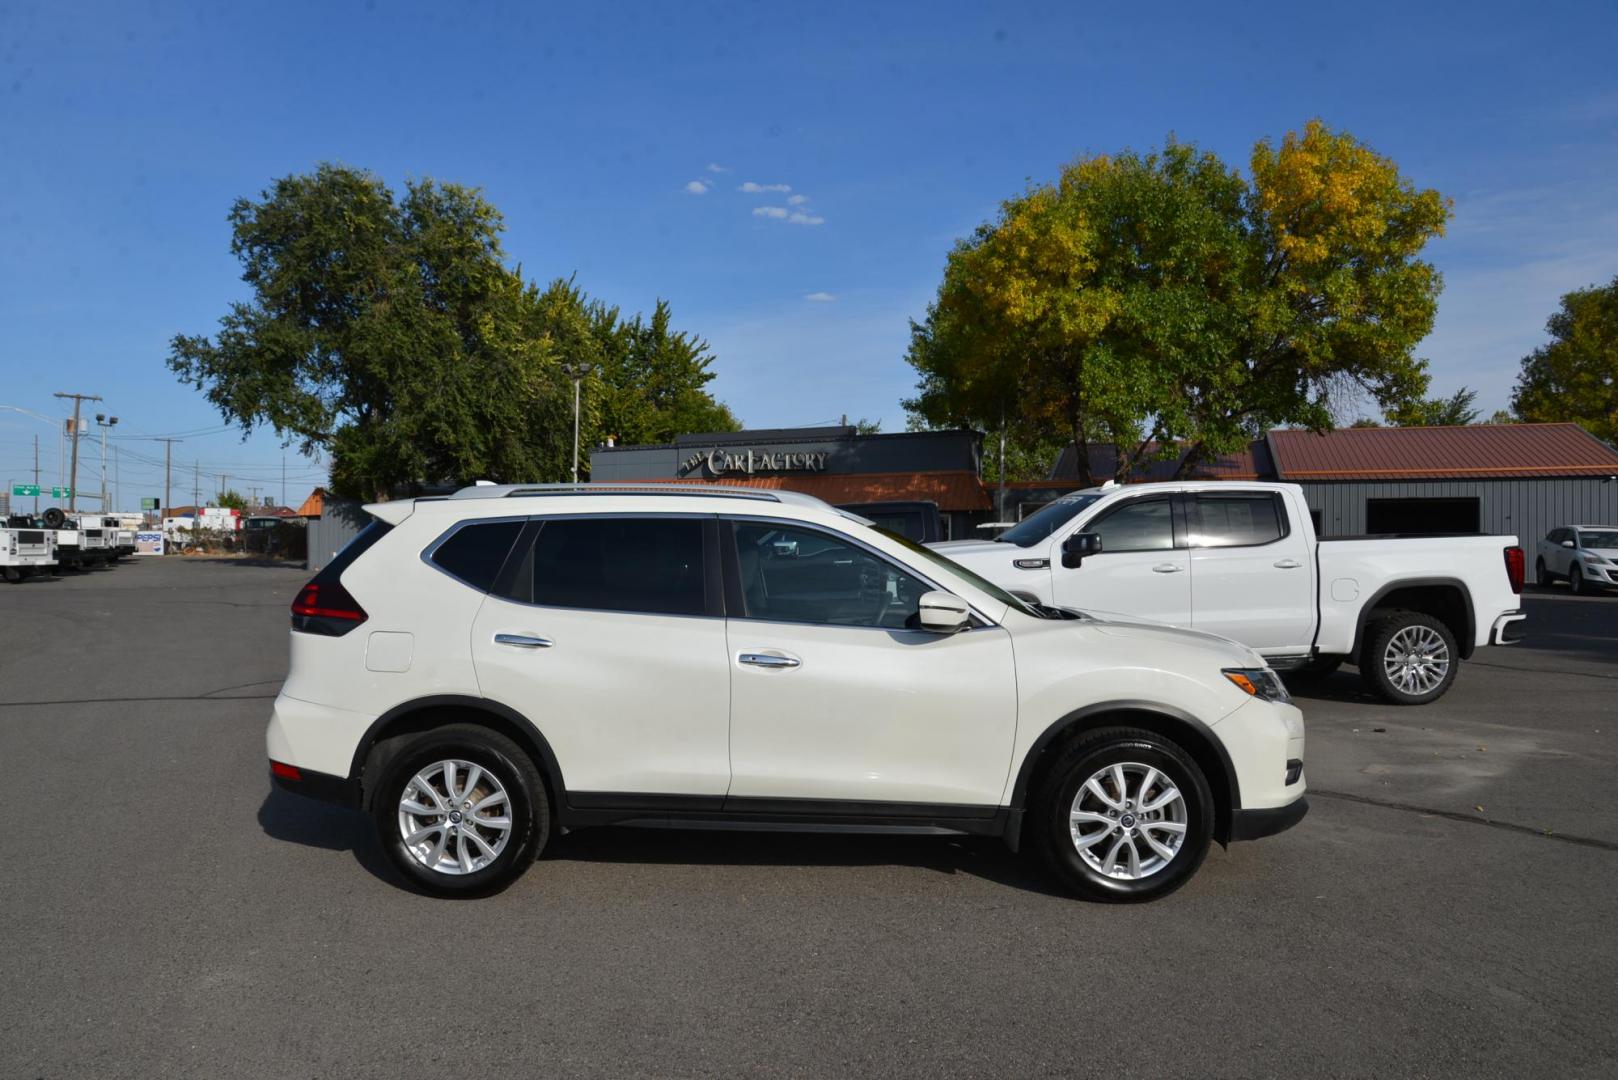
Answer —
953 567
1039 525
1598 538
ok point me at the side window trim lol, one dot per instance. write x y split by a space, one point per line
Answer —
1282 518
505 586
736 607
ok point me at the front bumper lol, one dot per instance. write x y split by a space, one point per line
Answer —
1510 628
1256 824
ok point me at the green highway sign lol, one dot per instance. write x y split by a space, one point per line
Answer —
61 493
25 489
148 504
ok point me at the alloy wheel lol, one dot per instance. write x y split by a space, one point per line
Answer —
454 817
1416 660
1128 821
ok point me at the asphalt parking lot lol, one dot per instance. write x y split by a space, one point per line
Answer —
1447 909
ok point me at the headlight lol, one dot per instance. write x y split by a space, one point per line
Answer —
1260 682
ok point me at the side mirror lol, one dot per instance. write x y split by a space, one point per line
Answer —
1077 546
1568 544
942 612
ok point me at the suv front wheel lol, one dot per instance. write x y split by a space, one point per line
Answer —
1123 815
461 811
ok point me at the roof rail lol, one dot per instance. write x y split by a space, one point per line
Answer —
508 491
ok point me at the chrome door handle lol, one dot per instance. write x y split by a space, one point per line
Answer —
523 641
1287 564
1167 568
767 660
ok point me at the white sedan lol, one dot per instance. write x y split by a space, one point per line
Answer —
1587 555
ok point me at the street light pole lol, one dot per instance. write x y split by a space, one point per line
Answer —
104 422
576 372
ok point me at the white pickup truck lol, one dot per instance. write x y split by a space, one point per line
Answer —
1241 560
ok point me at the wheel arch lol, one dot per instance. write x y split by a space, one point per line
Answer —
1444 598
425 714
1192 735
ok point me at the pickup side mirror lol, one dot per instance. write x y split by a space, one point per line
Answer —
1568 544
1077 546
942 612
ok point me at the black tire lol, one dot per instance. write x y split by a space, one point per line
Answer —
497 756
1082 759
54 518
1576 582
1542 576
1381 633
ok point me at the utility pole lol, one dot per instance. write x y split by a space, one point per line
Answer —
168 460
283 476
73 472
36 475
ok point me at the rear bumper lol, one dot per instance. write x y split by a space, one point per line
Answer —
1256 824
316 785
1510 628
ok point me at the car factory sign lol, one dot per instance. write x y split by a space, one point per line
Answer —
719 461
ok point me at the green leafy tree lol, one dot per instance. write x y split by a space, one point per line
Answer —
390 333
1143 300
1457 410
1575 376
231 499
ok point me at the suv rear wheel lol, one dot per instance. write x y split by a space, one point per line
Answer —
461 811
1123 815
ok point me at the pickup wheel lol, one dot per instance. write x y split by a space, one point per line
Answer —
461 811
1409 658
1122 816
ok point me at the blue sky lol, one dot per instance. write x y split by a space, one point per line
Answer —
126 131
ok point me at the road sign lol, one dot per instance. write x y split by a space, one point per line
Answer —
61 493
149 504
25 489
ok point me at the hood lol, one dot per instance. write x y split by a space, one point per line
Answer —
1225 652
955 549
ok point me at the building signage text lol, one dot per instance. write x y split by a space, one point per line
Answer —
719 461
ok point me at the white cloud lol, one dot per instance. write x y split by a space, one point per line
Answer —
697 187
820 297
797 200
770 211
754 188
798 217
714 168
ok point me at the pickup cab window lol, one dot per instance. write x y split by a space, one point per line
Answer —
1140 525
1241 520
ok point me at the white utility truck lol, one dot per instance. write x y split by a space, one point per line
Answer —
25 551
1242 560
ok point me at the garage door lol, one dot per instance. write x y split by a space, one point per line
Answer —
1422 516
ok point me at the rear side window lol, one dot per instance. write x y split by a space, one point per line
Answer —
647 565
475 553
1237 521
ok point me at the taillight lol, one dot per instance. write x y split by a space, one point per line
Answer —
327 600
1514 568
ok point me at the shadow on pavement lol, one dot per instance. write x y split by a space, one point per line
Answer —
296 820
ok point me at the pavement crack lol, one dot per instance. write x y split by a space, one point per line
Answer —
1469 819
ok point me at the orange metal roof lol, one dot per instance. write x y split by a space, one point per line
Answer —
314 504
950 490
1477 452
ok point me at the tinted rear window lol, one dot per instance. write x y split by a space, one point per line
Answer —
351 551
1237 521
649 565
475 553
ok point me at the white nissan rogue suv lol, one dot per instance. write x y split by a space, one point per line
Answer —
480 670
